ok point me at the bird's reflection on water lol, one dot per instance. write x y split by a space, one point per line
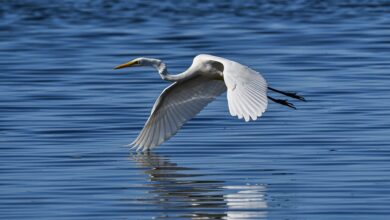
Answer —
185 192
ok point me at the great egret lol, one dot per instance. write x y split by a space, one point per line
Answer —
208 77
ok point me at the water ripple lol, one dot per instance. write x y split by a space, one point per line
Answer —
66 116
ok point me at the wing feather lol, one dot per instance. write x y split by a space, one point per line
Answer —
177 104
246 91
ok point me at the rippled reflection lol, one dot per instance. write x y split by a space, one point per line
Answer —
249 200
192 194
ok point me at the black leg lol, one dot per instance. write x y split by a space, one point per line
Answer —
282 102
289 94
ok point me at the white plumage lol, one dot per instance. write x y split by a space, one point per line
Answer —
177 104
208 77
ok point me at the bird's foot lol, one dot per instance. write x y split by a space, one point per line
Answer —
295 96
289 94
283 102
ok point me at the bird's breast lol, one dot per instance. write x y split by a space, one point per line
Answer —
214 75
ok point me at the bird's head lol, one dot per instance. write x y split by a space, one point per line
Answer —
141 61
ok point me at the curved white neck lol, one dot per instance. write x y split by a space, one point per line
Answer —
163 71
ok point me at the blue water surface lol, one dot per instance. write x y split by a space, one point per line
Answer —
66 116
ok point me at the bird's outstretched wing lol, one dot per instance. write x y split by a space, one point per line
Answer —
246 91
177 104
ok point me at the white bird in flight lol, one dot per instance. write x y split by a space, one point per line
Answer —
208 77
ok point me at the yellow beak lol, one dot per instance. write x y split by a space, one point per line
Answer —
128 64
